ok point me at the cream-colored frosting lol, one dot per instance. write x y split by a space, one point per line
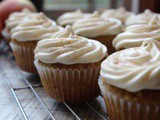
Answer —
136 34
67 32
17 17
134 69
27 2
120 13
70 50
142 18
36 28
70 17
94 26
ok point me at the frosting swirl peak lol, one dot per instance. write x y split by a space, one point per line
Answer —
142 18
94 26
36 28
121 13
67 32
134 35
134 69
17 17
70 50
70 17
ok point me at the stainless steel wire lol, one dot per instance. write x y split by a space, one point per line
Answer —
29 86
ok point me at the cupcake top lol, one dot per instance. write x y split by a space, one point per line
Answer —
36 28
142 18
70 17
68 49
120 13
134 69
94 26
134 35
17 17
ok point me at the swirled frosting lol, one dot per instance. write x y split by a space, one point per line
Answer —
136 34
36 28
70 50
120 13
65 33
70 17
134 69
95 26
142 18
17 17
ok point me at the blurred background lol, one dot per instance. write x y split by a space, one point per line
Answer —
54 8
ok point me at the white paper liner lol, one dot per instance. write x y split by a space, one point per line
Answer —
72 85
24 57
122 109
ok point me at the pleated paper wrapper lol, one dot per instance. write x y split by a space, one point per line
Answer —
119 108
72 85
24 56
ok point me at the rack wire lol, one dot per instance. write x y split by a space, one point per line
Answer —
32 88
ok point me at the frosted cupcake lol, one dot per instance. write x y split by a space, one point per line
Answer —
25 37
13 20
141 18
130 83
70 17
120 13
100 29
136 34
69 65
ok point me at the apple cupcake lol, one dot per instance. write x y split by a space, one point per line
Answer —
100 29
70 17
69 65
136 34
25 37
13 20
130 83
141 18
120 13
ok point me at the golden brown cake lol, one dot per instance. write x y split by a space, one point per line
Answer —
69 66
130 83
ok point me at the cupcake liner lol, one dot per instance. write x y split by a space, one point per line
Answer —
70 84
122 108
24 56
107 41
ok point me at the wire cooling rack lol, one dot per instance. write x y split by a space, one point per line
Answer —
40 100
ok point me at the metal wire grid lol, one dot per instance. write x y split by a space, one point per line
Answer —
32 88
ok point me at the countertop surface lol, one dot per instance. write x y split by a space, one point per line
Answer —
34 110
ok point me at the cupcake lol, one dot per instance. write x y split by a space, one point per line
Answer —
100 29
141 18
13 20
136 34
25 37
130 83
120 13
70 17
68 66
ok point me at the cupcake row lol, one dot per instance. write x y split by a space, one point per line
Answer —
94 51
126 17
